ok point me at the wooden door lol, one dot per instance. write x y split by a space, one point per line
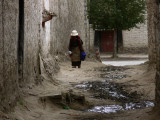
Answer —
107 43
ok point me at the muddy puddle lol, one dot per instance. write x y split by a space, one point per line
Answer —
114 69
117 108
106 89
113 73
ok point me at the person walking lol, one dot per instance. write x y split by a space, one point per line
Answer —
75 49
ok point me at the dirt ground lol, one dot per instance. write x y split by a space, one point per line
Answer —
38 102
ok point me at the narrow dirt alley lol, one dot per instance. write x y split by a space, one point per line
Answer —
93 92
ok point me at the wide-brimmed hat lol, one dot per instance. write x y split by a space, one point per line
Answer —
74 33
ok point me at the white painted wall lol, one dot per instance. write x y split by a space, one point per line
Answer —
46 30
136 39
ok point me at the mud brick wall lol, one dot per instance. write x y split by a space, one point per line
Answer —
1 45
8 53
136 40
151 10
157 27
45 42
52 39
70 16
157 99
32 38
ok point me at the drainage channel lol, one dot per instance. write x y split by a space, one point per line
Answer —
106 89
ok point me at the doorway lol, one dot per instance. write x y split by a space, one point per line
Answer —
107 44
104 41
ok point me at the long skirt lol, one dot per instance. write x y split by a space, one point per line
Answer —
78 63
75 57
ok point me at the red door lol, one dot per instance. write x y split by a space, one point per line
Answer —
107 41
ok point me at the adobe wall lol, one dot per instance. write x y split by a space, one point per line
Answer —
151 10
9 45
70 16
45 41
52 39
157 36
1 44
8 53
32 38
154 45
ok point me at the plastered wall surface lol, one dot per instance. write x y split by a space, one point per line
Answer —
151 10
70 16
32 38
1 44
157 41
38 41
136 40
46 37
8 53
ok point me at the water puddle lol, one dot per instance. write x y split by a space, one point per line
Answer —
113 73
117 108
106 109
115 92
124 63
108 90
113 77
114 69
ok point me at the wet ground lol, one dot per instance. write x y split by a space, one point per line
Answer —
124 59
107 89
